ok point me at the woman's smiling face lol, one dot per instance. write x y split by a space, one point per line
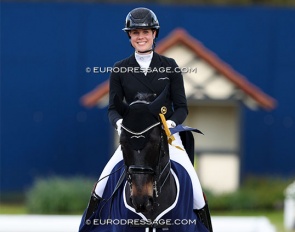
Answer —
142 39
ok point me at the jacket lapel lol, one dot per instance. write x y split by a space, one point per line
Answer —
155 65
145 80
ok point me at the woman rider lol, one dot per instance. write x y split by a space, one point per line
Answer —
142 28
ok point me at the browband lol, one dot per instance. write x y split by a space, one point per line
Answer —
140 133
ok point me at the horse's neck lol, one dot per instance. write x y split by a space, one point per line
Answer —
165 199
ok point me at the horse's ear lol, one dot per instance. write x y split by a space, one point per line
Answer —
120 106
159 102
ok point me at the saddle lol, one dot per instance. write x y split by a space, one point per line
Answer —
188 142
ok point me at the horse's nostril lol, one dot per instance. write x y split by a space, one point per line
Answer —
142 204
151 200
150 203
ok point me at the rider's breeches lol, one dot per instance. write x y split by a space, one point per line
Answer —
177 155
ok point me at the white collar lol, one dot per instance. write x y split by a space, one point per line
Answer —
143 57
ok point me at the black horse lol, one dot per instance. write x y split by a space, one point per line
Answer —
146 157
144 192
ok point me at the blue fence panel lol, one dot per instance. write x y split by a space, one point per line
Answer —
46 47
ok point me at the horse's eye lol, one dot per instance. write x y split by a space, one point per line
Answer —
123 149
156 145
123 146
122 141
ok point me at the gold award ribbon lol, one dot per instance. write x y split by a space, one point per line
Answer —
168 133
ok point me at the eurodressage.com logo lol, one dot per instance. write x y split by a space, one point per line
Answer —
141 222
101 70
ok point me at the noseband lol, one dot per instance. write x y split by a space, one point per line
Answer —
158 178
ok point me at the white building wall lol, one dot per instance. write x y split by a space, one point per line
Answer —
217 160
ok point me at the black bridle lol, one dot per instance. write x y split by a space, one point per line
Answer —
159 179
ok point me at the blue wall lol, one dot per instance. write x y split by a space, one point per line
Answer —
45 48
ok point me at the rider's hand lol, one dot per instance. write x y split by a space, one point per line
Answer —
170 124
119 126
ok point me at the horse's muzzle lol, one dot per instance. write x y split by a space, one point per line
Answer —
142 204
141 180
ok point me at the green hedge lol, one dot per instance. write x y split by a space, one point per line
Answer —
256 193
59 195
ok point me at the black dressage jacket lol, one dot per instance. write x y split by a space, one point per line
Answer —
126 80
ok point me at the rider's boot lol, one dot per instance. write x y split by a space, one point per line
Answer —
92 205
204 216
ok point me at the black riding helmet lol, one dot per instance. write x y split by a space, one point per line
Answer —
141 18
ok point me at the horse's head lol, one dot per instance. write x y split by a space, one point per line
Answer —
145 152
